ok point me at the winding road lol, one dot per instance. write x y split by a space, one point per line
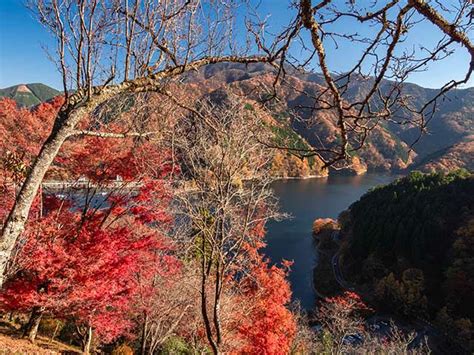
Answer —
336 267
338 273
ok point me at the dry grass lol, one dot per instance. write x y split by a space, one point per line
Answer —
12 343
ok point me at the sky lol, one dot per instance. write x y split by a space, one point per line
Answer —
23 58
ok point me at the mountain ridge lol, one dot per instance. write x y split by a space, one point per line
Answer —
448 142
388 147
27 95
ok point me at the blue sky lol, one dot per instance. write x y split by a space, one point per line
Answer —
24 60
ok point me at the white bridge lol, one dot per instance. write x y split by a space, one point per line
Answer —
83 184
54 186
117 185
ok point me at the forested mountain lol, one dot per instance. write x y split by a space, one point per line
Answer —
447 144
410 246
29 94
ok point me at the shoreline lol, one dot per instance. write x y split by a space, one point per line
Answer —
282 178
396 173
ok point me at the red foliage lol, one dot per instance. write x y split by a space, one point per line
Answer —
85 264
348 300
102 159
85 267
22 132
341 312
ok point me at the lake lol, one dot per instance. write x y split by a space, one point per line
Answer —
307 200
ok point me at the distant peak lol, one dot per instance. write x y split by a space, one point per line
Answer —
23 88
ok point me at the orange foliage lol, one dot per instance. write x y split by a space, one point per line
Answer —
321 224
266 326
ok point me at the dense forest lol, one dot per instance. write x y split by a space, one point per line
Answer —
410 244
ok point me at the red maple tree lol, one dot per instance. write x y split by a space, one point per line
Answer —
22 132
265 324
84 266
82 261
269 328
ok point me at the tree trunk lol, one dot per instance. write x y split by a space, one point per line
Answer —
205 315
55 332
31 329
144 335
15 223
87 342
216 308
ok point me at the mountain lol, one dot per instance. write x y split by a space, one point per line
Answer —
27 95
447 144
449 135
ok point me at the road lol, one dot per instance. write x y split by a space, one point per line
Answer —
336 266
338 274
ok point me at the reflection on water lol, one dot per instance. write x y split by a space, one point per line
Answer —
307 200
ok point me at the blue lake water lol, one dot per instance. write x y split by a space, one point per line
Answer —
307 200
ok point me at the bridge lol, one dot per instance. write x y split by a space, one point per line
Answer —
53 186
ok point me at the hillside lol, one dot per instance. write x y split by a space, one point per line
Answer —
460 154
387 148
27 95
447 144
410 246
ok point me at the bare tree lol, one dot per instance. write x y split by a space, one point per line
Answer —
306 339
110 49
230 199
381 62
166 310
341 320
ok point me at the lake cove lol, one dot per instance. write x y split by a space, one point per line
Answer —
305 200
